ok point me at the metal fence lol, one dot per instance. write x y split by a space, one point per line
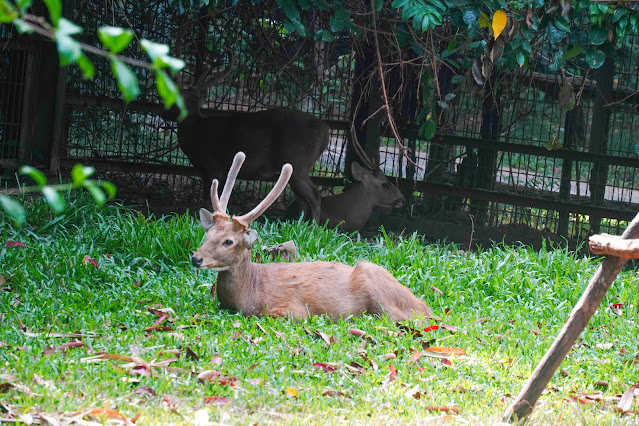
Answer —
516 174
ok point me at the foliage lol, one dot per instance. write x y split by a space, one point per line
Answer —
114 39
101 304
52 194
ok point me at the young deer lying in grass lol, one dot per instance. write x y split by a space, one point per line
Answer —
291 289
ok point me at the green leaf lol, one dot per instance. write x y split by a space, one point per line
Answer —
426 22
23 27
521 58
127 81
53 199
7 12
114 38
23 5
341 12
174 64
597 35
562 24
80 173
619 12
109 188
55 10
398 4
336 24
555 35
154 50
98 195
69 50
573 50
427 130
439 5
378 5
38 177
417 22
291 12
408 12
13 208
67 27
166 88
170 93
595 58
88 70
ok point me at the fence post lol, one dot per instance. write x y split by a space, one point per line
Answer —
366 99
571 137
598 143
487 158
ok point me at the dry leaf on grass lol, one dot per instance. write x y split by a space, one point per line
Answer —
291 392
443 409
46 383
322 366
444 351
414 357
218 401
625 403
216 360
158 328
144 391
66 335
192 355
69 345
104 414
328 339
356 332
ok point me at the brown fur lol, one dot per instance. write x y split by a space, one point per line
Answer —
295 290
299 289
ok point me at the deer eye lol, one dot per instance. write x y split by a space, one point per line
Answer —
227 243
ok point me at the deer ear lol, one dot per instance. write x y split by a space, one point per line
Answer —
358 172
206 219
250 236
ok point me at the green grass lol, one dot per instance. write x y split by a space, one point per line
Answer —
508 304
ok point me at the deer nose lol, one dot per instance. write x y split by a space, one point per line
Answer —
196 261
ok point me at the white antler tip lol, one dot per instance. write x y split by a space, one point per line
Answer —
240 155
287 168
214 185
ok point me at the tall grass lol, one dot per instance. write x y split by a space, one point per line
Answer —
507 303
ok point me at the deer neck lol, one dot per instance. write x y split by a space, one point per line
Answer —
238 288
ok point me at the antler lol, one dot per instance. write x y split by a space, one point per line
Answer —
208 79
285 175
219 204
361 154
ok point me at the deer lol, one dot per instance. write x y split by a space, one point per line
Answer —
295 290
351 209
271 138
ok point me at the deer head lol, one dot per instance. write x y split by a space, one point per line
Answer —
229 239
375 184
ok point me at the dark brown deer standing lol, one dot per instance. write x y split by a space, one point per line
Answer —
271 138
291 289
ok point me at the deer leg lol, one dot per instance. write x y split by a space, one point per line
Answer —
307 194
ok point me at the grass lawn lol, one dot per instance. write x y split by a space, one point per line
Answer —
102 318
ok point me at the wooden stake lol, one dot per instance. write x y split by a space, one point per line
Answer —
577 321
612 245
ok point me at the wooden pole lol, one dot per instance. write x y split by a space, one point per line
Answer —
577 321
